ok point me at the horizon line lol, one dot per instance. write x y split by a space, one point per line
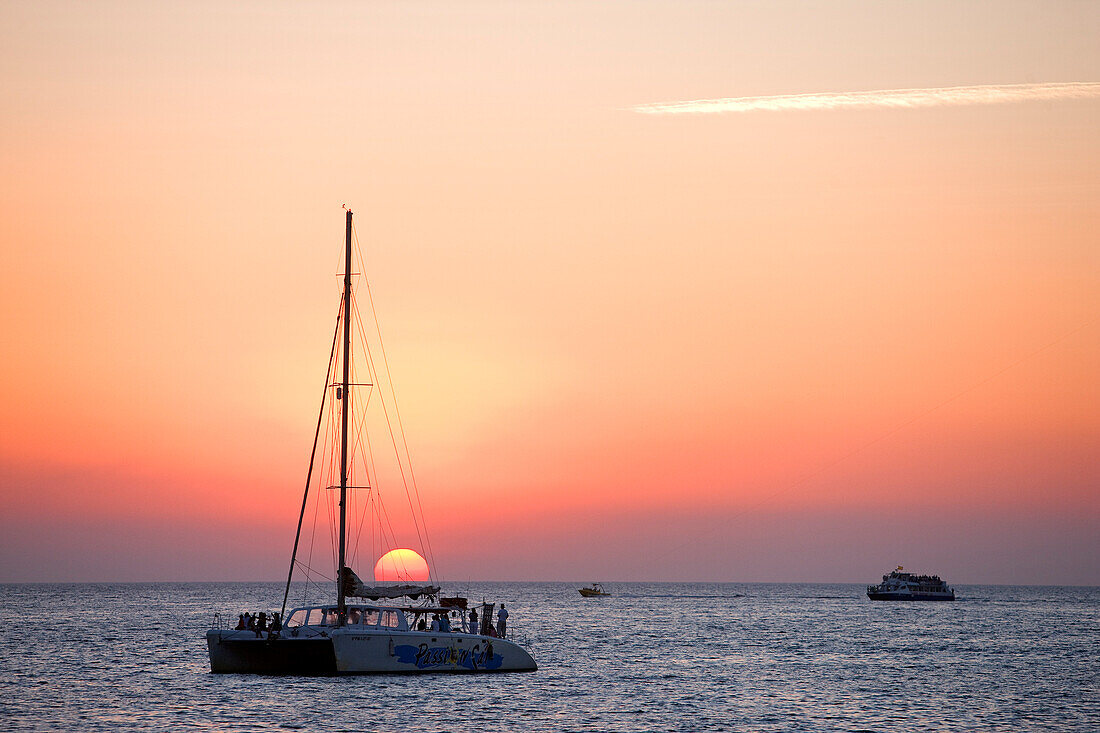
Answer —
561 582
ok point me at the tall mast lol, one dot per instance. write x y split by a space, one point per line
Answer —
341 600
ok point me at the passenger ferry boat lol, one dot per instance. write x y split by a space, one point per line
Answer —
391 633
902 586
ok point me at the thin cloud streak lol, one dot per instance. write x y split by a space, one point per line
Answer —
889 98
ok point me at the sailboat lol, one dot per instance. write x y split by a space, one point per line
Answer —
365 629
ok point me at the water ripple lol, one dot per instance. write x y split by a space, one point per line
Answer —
734 657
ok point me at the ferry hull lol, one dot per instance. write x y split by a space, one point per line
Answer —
911 596
347 652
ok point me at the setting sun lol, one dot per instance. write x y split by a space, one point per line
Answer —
401 564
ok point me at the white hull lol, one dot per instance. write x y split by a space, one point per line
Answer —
361 651
418 651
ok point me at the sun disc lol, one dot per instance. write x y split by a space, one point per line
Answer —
401 565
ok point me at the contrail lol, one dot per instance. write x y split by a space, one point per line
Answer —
890 98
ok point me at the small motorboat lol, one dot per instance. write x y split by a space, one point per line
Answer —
593 590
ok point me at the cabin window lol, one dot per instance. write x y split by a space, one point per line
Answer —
298 618
369 617
314 617
389 620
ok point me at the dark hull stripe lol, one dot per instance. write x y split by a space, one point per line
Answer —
305 657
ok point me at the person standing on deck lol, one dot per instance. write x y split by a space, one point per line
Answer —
502 621
473 622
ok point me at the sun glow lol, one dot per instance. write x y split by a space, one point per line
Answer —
401 565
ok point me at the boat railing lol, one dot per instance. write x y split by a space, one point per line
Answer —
516 634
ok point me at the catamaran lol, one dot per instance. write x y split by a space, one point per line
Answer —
382 628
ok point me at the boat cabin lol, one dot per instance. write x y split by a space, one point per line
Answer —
359 616
377 617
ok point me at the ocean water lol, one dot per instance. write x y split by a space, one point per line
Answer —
659 656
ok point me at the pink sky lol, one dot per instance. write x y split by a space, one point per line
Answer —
769 345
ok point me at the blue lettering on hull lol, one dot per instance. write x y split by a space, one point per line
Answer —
425 657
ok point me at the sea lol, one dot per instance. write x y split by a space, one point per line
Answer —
651 657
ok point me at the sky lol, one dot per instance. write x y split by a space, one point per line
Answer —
670 290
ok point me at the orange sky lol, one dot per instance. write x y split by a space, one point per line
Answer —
721 347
